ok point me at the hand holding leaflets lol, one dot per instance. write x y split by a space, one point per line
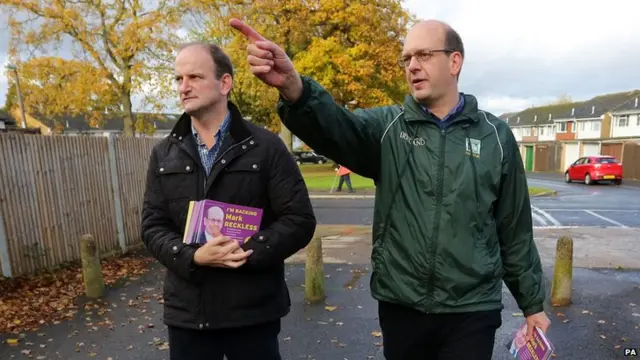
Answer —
221 251
221 229
536 347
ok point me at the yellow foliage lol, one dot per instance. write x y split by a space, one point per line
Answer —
53 87
129 42
349 46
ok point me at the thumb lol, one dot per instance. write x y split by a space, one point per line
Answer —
530 326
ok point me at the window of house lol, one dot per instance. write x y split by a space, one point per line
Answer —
542 130
562 127
623 121
595 126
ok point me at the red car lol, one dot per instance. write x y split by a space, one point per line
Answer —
592 169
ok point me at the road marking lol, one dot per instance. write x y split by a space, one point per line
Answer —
549 183
539 218
599 210
605 218
546 215
340 197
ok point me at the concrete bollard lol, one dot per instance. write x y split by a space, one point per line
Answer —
91 269
314 272
563 272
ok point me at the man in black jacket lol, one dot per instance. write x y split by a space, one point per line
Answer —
219 298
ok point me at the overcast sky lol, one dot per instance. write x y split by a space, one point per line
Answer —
523 53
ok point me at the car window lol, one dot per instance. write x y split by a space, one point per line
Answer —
607 160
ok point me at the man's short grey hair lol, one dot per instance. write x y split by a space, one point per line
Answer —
219 57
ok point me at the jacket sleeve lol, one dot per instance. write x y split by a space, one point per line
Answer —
159 234
349 138
294 223
523 270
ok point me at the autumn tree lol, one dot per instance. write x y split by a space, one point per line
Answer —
351 47
53 87
129 41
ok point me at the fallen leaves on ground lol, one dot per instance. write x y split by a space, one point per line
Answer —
28 302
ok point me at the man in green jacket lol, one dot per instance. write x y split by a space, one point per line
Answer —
452 216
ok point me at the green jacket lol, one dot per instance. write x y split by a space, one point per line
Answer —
449 224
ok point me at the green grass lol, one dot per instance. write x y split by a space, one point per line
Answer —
534 191
322 177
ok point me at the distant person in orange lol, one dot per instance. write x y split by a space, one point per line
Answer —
345 177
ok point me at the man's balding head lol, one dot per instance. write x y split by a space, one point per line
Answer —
432 55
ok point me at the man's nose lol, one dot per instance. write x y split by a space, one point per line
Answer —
184 86
414 64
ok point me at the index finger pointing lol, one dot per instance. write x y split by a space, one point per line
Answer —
247 30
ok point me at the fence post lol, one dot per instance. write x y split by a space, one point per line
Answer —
314 272
4 251
115 190
563 272
91 269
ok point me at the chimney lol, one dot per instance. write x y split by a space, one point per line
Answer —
636 102
535 118
573 111
549 116
593 109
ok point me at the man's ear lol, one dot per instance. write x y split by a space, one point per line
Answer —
226 84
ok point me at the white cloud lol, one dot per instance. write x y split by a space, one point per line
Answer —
529 52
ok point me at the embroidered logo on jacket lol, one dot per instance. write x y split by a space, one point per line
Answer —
418 141
475 147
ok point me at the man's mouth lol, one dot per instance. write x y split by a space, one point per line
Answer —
417 81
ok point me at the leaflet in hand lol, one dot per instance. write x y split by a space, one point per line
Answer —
208 219
538 348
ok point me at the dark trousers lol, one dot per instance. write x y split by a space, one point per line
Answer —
409 334
345 179
246 343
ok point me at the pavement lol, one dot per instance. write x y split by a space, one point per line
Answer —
575 205
603 319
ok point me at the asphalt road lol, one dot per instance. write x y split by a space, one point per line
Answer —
576 204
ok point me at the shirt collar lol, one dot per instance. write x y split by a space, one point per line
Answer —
453 111
221 130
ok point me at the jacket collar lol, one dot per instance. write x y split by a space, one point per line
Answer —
238 128
415 112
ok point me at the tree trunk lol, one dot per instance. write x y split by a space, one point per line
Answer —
129 119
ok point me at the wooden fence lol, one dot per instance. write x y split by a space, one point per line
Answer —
54 189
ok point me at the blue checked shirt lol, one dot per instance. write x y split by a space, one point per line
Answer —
208 156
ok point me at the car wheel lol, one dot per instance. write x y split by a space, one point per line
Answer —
298 162
618 182
567 178
320 162
587 179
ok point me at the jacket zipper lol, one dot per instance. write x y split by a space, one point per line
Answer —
436 226
219 157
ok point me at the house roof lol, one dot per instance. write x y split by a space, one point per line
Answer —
7 118
632 103
592 108
602 104
540 115
114 122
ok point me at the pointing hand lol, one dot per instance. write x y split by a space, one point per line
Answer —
270 63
